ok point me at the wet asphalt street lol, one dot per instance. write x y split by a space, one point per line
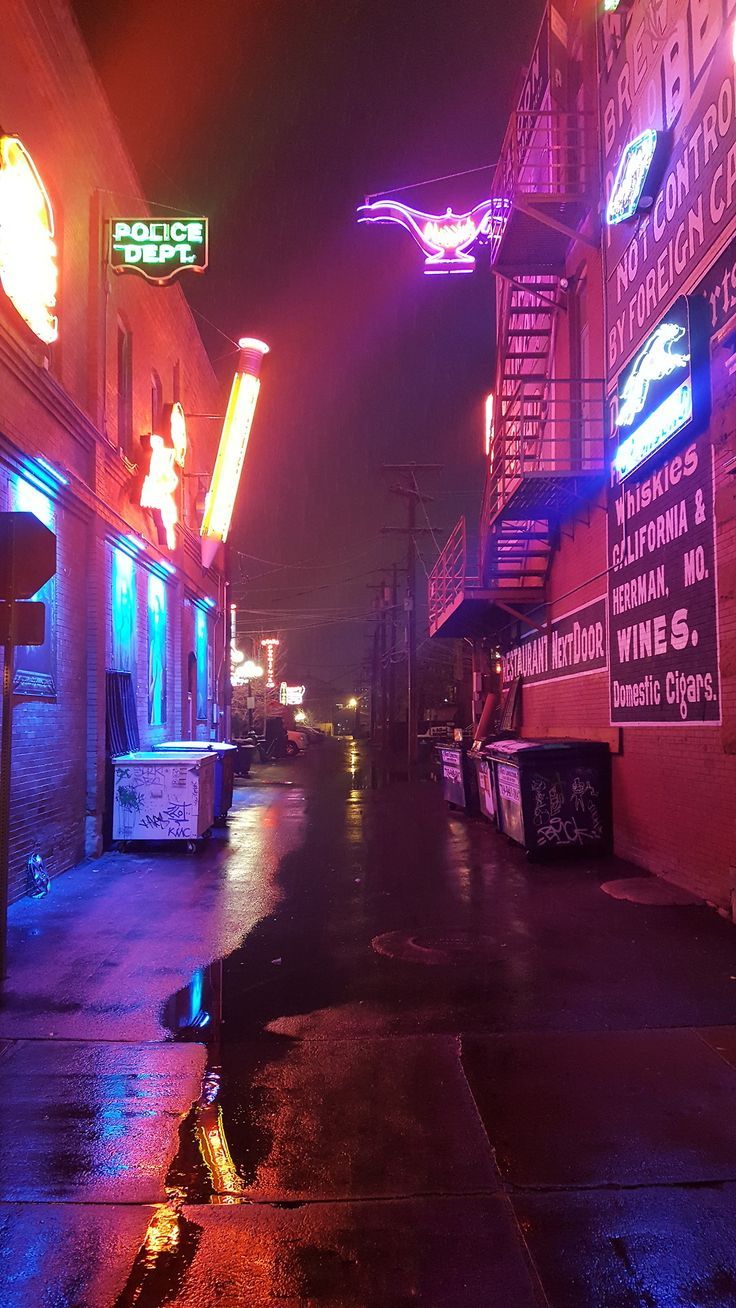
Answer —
358 1051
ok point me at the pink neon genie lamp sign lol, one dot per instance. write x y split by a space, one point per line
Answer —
446 239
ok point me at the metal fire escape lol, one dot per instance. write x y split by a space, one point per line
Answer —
546 454
547 447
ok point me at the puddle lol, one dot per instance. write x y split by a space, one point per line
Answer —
226 1135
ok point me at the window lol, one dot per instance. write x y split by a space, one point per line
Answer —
156 652
35 665
122 650
202 646
157 403
125 390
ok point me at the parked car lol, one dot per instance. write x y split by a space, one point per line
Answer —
313 734
296 742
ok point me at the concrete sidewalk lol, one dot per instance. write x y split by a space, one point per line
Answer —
424 1071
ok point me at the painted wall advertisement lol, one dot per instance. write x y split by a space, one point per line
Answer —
569 646
667 65
662 594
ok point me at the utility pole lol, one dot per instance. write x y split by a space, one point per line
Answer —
413 496
391 670
375 672
383 669
381 606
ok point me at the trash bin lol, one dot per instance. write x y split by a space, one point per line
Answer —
554 794
484 774
246 752
458 777
224 768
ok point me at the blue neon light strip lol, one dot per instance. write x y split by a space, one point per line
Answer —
668 419
57 478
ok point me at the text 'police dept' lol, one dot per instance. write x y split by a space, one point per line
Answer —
158 242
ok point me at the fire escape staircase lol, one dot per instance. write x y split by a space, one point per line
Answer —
518 549
546 455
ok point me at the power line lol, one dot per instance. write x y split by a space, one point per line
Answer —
430 181
335 563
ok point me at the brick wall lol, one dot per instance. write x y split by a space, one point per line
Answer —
61 403
674 787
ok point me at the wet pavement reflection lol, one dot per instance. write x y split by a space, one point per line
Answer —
398 1064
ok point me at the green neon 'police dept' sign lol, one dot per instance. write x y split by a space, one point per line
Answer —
158 250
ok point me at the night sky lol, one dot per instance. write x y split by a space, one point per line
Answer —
276 117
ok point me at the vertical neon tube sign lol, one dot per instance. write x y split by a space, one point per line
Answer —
228 467
270 644
489 424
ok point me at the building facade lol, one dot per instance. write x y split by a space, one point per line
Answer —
605 575
104 384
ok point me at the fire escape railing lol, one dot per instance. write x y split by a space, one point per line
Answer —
545 429
450 577
546 165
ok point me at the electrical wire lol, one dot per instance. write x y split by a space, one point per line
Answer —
214 326
299 590
341 563
426 515
430 181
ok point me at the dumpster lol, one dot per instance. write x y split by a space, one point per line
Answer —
163 795
458 777
484 774
224 767
553 794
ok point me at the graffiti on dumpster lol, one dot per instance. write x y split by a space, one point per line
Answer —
566 809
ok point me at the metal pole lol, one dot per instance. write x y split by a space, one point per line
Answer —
411 638
375 673
227 685
5 764
382 678
393 632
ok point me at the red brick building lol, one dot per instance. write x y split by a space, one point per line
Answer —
79 398
605 573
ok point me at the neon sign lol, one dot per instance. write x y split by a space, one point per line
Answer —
291 695
446 239
161 482
158 250
228 468
270 644
242 669
635 166
659 394
653 363
28 269
489 424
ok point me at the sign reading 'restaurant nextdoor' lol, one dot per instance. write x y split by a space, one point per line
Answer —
662 594
568 647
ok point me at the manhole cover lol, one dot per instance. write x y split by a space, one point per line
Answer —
648 890
434 947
